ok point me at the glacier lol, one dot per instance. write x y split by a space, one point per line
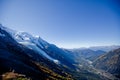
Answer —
30 41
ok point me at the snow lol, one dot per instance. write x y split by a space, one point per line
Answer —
24 36
56 61
41 52
27 39
10 31
30 41
40 40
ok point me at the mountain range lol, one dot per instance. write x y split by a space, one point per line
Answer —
24 54
25 60
110 62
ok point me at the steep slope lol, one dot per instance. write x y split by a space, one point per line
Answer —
36 59
42 47
14 56
109 62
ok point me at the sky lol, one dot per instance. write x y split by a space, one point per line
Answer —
65 23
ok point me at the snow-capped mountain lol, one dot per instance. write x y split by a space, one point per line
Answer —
40 46
23 60
29 41
34 43
22 37
37 59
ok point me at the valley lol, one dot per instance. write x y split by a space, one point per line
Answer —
37 59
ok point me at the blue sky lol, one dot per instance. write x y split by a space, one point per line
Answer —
66 23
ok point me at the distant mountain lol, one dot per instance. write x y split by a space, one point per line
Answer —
105 48
90 53
110 62
86 53
37 59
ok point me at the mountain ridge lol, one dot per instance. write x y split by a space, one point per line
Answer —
109 62
25 61
36 58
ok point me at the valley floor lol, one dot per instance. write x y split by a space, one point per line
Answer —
104 73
